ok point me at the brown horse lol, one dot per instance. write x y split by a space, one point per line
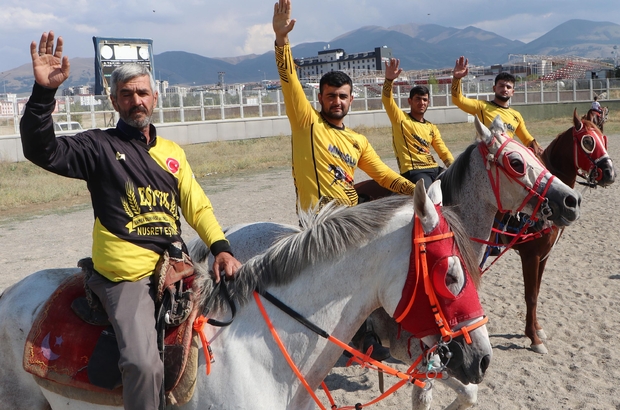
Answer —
579 151
596 117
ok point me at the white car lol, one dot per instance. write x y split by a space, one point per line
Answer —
67 126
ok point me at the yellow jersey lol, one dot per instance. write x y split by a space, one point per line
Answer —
324 156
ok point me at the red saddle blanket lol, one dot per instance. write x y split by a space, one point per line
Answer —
60 344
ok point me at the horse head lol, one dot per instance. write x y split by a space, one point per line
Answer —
441 288
591 159
520 181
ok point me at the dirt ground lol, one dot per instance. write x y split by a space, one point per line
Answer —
579 305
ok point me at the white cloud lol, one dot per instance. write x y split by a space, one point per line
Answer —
19 19
259 39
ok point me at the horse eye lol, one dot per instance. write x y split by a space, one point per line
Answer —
588 144
454 276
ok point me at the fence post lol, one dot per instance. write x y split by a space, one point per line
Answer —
591 90
260 103
278 100
449 93
160 104
542 92
557 89
314 97
608 91
398 95
15 116
222 114
365 98
241 102
68 108
181 107
93 121
525 91
202 106
574 90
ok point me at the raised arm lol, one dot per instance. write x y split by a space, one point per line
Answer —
282 22
461 68
49 66
392 69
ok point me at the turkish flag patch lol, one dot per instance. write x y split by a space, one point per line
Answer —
173 165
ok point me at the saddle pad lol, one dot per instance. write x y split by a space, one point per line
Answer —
60 344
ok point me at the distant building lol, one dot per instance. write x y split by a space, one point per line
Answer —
355 64
8 104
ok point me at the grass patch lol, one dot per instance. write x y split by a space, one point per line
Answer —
27 189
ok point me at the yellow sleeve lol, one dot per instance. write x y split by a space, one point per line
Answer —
371 164
298 109
196 207
395 114
469 105
440 147
522 132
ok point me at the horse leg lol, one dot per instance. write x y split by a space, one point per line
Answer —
541 269
531 285
421 398
467 394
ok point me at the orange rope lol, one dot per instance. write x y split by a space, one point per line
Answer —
198 326
284 352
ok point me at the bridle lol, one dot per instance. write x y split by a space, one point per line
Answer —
500 162
447 347
590 148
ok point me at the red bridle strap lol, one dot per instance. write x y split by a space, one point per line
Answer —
447 333
489 159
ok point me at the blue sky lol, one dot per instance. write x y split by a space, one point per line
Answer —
218 28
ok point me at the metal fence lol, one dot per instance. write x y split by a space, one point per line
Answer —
97 111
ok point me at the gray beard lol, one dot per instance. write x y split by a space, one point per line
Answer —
138 124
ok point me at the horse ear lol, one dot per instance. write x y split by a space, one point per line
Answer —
484 134
498 124
424 208
434 192
576 120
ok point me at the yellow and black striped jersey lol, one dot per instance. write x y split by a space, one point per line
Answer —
486 111
325 157
412 139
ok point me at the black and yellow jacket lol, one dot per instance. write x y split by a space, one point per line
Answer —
136 189
325 157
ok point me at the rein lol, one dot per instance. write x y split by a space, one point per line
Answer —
412 375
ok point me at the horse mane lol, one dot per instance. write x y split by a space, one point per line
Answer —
463 242
452 178
327 235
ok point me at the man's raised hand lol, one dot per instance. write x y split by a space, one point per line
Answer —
461 68
392 69
49 66
282 22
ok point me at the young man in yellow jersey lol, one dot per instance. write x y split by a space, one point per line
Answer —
325 152
486 111
412 135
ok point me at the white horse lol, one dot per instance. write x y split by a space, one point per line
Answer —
468 185
344 265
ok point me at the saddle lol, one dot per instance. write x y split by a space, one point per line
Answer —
79 360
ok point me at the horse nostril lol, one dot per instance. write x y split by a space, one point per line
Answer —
484 364
571 201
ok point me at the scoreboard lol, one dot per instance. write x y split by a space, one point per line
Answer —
114 52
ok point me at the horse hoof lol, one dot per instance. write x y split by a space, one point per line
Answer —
540 348
541 334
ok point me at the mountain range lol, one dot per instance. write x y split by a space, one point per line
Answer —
418 46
